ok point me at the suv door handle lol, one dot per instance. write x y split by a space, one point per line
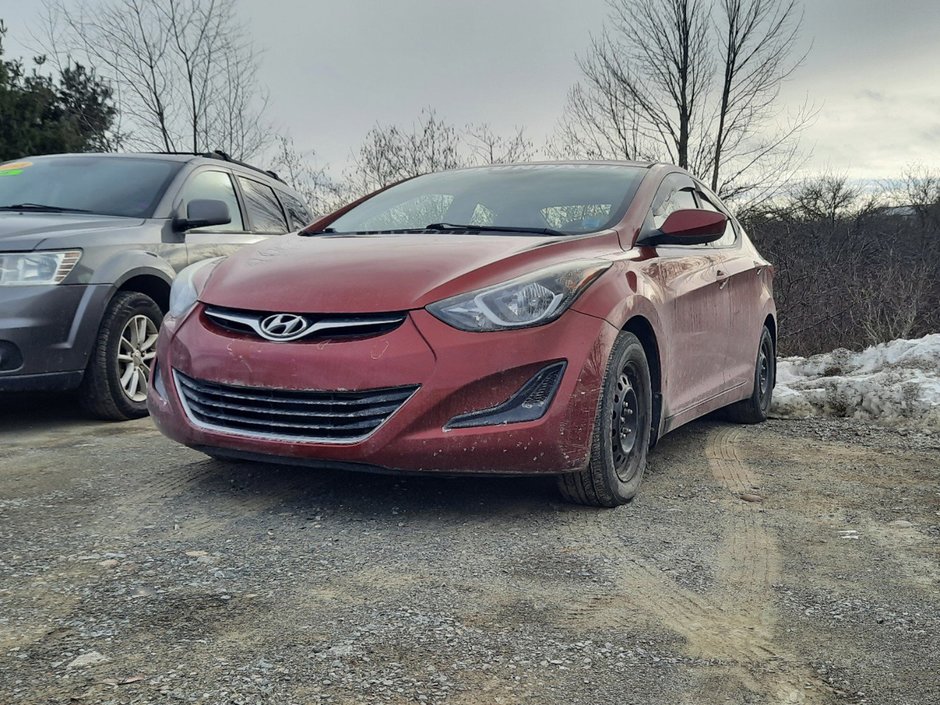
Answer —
721 278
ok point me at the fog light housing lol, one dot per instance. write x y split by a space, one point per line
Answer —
528 404
10 356
159 386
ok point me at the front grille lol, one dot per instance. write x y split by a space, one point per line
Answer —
311 327
315 416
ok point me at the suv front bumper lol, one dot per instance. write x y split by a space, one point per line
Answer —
47 334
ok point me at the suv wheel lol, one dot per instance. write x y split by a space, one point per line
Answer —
115 382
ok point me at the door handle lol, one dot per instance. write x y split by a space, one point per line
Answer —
721 278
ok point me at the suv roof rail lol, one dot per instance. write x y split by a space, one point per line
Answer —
224 157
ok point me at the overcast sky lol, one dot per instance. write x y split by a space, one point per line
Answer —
334 68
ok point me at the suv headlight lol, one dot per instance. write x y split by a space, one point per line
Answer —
186 288
531 300
36 268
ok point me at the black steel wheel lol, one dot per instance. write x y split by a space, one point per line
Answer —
756 407
621 435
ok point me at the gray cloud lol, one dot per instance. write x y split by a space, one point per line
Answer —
334 69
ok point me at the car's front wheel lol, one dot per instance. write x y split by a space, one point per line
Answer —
115 382
621 435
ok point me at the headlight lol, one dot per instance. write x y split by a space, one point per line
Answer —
32 268
185 291
532 300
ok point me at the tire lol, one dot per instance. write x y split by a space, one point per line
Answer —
621 436
755 408
115 383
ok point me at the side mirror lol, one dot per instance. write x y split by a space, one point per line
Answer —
204 213
689 227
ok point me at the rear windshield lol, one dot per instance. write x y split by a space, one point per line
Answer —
571 198
105 185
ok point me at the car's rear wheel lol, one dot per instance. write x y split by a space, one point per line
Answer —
755 408
621 435
115 382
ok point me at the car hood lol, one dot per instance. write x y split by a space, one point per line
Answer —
27 231
358 274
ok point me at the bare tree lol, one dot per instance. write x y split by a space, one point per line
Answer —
184 71
390 153
322 193
693 82
853 267
488 147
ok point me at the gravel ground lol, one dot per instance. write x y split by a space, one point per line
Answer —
133 570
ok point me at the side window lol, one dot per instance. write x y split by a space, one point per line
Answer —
730 235
675 194
215 186
297 214
264 211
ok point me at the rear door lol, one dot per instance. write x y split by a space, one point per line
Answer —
265 214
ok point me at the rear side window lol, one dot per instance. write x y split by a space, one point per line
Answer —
215 186
297 213
264 211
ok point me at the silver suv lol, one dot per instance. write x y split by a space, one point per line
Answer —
89 245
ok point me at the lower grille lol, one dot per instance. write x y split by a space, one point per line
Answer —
314 416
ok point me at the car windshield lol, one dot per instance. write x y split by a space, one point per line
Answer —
571 199
122 186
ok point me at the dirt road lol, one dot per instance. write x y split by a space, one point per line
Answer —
174 578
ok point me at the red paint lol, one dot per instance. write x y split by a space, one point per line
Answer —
707 332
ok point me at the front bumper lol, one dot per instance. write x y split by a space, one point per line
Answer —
456 373
46 334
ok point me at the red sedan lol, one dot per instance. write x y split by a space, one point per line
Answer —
540 318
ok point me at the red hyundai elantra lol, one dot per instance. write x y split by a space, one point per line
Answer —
539 318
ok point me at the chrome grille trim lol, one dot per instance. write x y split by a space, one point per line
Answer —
317 325
288 415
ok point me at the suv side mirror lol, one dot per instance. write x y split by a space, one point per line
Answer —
689 227
203 213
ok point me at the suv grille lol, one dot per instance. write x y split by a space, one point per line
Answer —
324 417
306 326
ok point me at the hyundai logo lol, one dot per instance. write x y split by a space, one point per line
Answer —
283 326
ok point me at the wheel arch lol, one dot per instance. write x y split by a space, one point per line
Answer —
641 327
770 323
153 284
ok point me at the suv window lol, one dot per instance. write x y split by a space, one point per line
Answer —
297 212
730 235
675 194
215 186
264 211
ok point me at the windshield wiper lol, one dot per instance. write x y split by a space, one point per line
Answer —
495 229
41 208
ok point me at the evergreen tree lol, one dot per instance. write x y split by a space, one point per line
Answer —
42 114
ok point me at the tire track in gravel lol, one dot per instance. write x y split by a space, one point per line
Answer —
195 500
733 624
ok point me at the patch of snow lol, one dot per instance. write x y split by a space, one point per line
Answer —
896 383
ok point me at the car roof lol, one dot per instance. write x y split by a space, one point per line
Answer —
565 162
215 158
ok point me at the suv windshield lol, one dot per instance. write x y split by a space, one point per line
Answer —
569 198
104 185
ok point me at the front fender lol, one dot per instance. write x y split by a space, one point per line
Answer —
620 295
123 266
